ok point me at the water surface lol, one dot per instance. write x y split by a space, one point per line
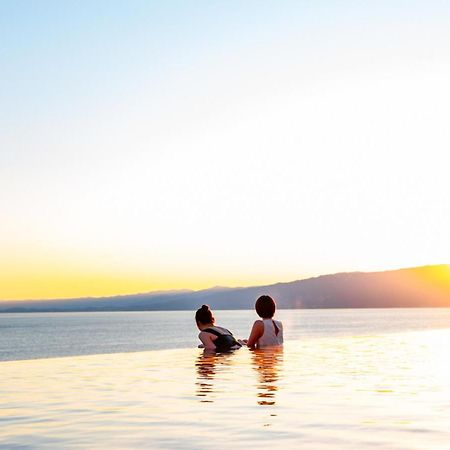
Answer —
44 335
350 379
381 391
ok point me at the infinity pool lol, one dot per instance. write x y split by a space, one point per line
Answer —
378 391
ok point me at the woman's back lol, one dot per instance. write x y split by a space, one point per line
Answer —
224 338
273 333
213 337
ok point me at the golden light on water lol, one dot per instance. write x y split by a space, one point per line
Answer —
383 390
156 145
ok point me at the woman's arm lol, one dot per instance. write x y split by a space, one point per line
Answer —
207 340
256 333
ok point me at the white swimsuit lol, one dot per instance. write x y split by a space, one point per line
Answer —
270 336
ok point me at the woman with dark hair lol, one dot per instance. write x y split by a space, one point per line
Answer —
266 332
212 336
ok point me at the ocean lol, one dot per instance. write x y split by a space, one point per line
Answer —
345 379
48 335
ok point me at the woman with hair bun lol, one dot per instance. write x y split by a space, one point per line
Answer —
212 336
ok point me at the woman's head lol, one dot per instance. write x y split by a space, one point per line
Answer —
265 307
204 316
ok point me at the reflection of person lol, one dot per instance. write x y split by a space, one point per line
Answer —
207 366
213 337
266 332
266 362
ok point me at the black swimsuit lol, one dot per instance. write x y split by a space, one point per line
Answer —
224 342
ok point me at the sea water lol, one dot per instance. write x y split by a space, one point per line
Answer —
369 379
45 335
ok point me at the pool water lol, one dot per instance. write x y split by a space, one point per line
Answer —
387 390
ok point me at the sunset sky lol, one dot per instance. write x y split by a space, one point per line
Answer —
186 144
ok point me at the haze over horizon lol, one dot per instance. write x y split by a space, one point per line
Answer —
436 274
151 146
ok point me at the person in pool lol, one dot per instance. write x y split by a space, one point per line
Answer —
213 337
266 332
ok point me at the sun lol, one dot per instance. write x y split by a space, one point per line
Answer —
435 276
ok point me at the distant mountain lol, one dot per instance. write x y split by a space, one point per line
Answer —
427 286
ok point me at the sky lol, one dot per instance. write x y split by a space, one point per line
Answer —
185 144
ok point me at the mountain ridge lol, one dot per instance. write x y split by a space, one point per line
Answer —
423 286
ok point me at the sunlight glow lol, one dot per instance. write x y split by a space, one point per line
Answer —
147 161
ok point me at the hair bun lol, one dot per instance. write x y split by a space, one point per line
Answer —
204 315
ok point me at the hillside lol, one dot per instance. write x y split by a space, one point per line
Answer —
427 286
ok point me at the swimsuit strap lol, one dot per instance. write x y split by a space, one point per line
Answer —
224 342
214 332
277 330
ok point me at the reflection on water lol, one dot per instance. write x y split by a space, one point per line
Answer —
374 391
206 365
267 363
